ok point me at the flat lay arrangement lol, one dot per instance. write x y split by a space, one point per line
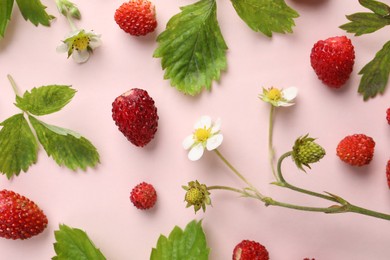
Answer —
244 130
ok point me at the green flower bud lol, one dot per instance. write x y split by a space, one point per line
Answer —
197 195
306 151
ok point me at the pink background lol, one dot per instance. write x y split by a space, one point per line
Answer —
97 201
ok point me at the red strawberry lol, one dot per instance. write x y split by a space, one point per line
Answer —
135 114
388 115
250 250
356 150
143 196
137 17
333 60
20 218
388 173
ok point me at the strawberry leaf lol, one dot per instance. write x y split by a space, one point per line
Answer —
377 7
74 243
375 74
46 99
266 16
34 11
5 15
188 244
364 23
192 48
65 146
19 147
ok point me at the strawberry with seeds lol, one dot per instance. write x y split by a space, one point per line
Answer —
356 150
143 196
250 250
332 60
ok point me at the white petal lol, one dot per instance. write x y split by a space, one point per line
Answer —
284 104
290 93
204 122
196 152
62 48
217 126
188 142
80 56
95 42
214 141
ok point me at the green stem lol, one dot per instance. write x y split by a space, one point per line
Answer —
70 21
271 150
13 84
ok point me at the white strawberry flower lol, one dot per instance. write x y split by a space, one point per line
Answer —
206 136
279 97
80 44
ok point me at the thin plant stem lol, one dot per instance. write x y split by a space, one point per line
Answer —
271 150
70 21
13 84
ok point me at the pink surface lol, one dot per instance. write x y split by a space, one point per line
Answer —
97 201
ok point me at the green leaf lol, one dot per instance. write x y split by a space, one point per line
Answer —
192 48
364 23
375 74
66 147
46 99
74 244
34 11
19 147
5 14
189 244
266 16
376 6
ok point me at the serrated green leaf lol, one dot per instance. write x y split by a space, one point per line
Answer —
74 244
364 23
192 48
18 146
189 244
65 148
46 99
5 15
266 16
34 11
377 7
375 74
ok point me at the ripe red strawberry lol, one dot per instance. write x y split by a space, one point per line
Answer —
20 218
388 173
356 150
250 250
136 17
388 115
332 60
135 114
143 196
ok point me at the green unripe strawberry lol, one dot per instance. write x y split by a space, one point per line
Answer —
306 151
197 195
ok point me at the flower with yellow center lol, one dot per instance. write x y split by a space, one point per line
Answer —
206 136
80 44
279 97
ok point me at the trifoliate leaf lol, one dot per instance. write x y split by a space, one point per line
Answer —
5 14
34 11
66 147
377 7
46 99
364 23
192 48
375 74
74 244
188 244
18 146
266 16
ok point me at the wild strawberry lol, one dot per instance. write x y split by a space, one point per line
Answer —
356 150
136 17
388 115
135 114
306 151
250 250
332 60
388 173
143 196
20 218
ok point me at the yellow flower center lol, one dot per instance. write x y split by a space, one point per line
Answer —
202 134
274 94
80 43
